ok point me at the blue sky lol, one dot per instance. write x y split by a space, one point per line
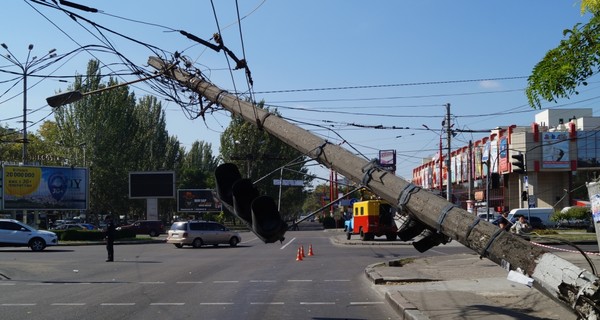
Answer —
387 63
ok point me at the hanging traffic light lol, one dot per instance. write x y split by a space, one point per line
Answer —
519 165
240 197
431 238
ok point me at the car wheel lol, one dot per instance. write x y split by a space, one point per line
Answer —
234 241
154 233
179 245
197 243
37 244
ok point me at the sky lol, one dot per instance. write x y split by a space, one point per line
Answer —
368 75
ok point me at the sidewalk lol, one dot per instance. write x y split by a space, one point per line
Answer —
462 286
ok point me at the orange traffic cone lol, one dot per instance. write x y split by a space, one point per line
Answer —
310 252
299 255
302 251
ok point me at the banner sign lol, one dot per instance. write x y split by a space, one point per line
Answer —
45 188
197 200
555 149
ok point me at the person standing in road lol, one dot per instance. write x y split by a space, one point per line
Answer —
110 238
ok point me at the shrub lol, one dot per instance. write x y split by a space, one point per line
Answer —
574 213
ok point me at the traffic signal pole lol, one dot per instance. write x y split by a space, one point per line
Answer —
573 287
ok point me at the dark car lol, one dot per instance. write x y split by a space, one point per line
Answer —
152 228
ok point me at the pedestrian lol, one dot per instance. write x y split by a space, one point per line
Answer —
110 238
521 227
502 221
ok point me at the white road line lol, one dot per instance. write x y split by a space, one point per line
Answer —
299 280
167 304
337 280
287 244
365 303
263 281
317 303
18 304
40 284
7 283
151 282
215 303
67 304
188 282
118 304
226 281
267 303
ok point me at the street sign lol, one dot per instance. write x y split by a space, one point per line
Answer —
288 183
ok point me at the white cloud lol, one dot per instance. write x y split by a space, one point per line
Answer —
490 84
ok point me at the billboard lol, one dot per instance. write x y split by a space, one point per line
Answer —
197 200
159 184
555 150
45 188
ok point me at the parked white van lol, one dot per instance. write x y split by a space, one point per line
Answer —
543 213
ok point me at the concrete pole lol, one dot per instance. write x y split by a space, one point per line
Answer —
449 153
573 287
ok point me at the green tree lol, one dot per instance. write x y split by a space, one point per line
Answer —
568 66
198 167
260 157
119 136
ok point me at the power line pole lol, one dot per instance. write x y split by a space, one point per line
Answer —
557 278
448 151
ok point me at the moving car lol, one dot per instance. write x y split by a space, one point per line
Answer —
152 228
17 234
199 233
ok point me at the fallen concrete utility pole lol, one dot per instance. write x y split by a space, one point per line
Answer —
573 287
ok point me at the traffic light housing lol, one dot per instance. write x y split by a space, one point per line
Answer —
519 165
430 238
239 196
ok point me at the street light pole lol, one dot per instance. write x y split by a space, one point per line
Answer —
25 71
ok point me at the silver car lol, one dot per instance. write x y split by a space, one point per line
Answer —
199 233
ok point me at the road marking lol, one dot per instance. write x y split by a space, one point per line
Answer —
7 283
299 280
40 284
67 304
189 282
263 280
18 304
317 303
267 303
167 304
365 303
287 244
118 304
337 280
151 282
215 303
225 281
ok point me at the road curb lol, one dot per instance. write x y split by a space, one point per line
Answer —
403 307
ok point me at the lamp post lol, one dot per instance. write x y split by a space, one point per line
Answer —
28 67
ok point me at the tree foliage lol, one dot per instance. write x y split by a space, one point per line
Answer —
566 67
119 135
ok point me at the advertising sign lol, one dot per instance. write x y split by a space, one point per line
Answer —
555 150
143 185
45 188
197 200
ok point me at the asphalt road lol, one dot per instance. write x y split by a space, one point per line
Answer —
251 281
